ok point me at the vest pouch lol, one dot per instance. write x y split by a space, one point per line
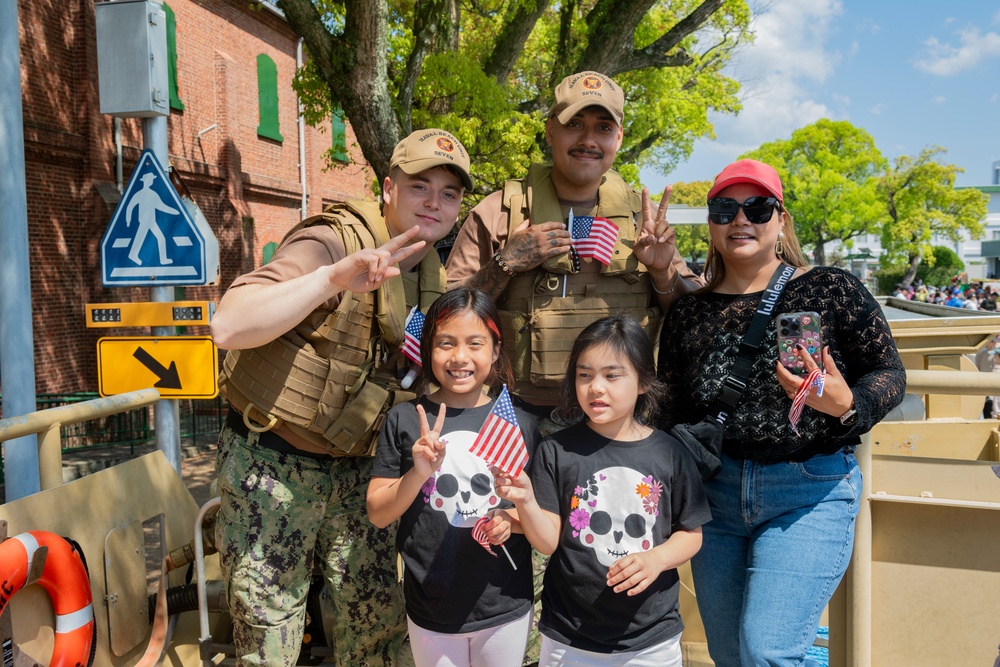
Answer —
516 341
355 431
553 333
280 379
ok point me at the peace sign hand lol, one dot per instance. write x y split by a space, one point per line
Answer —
657 242
366 269
428 450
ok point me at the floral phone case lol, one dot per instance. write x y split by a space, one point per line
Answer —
802 328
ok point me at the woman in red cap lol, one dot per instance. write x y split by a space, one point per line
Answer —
785 500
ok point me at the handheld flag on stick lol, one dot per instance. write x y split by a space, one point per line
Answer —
411 339
594 237
814 379
500 442
479 535
412 329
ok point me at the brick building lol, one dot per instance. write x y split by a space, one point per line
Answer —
234 145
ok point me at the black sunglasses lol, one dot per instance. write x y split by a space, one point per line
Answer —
758 210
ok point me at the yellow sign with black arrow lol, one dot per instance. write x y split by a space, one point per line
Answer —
182 367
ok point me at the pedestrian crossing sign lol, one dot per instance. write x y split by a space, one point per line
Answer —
153 238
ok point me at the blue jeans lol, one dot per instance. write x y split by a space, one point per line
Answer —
778 544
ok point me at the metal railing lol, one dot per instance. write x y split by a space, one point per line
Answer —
200 423
48 425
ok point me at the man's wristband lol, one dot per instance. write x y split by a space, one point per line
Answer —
503 265
673 285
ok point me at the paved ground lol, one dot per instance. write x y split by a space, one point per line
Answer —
198 472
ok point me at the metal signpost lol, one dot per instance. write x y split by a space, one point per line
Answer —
155 238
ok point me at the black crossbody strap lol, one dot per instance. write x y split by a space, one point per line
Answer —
736 382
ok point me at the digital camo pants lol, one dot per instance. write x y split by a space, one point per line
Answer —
278 512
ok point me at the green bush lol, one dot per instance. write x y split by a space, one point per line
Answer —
947 265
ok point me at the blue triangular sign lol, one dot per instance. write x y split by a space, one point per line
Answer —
152 239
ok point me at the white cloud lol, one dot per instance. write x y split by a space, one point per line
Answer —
877 109
938 99
788 56
946 59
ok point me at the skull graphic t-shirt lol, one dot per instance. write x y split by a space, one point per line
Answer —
451 583
614 499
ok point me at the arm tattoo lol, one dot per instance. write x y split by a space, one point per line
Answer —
490 278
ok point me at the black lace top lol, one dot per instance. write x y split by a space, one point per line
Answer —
702 334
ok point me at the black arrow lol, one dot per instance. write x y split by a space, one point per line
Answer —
169 379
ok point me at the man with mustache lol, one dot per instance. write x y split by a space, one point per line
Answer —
516 246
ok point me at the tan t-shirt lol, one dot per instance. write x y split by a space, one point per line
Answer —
301 253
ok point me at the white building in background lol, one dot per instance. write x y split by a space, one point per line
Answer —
981 256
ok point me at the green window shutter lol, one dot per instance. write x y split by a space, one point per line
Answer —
175 98
339 148
267 94
268 252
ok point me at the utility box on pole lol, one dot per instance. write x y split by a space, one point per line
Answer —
132 58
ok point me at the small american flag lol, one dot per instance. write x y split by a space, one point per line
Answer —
500 442
814 379
411 339
479 534
594 237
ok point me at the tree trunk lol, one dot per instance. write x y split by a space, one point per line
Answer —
819 253
355 67
913 264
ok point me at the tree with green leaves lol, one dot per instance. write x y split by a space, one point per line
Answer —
829 173
920 199
485 70
692 240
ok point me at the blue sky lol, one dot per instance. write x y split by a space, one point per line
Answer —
913 74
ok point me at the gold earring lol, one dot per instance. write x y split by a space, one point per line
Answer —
779 246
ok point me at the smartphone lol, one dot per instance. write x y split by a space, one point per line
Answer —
802 328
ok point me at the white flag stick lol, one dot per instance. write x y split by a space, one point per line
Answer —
569 226
502 546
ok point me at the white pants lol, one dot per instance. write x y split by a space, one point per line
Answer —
665 654
500 646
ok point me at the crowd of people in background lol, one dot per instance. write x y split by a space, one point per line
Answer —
972 296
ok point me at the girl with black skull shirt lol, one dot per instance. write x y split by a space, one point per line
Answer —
618 504
464 605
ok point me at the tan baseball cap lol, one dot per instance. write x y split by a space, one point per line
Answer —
429 148
583 89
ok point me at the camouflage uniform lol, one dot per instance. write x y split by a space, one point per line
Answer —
278 510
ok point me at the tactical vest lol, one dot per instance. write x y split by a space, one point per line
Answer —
332 378
543 311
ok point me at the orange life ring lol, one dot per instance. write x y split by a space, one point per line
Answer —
66 581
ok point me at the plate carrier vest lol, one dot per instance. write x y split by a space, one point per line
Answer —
333 377
539 323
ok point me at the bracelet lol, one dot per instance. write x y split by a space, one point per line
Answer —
503 265
652 283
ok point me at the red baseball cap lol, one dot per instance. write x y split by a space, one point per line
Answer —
748 171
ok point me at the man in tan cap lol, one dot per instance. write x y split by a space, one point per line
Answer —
314 341
516 244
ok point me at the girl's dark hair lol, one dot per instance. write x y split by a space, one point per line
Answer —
450 304
630 341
